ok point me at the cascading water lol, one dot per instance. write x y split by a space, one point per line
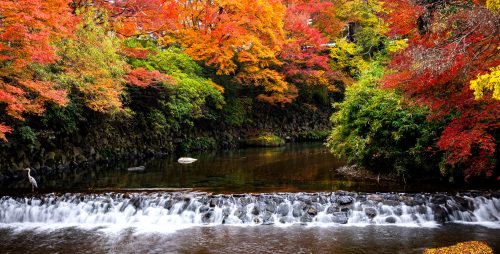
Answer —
172 210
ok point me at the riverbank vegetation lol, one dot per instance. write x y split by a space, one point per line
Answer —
414 84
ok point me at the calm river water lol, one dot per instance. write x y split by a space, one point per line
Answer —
276 200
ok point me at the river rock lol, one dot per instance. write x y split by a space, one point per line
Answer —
240 213
375 197
418 199
332 209
271 207
136 202
305 218
390 219
205 218
255 210
438 199
440 214
370 212
464 204
390 203
283 209
256 220
495 194
340 218
421 209
312 211
345 200
398 211
306 199
297 210
267 218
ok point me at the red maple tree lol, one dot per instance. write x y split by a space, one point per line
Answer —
446 50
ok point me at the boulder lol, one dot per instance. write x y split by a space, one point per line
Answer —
370 212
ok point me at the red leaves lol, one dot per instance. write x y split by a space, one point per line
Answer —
30 26
403 16
306 28
141 77
434 71
28 30
3 130
133 17
139 53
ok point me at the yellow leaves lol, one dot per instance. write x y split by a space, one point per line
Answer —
93 65
396 45
345 56
215 85
487 82
103 95
493 5
471 247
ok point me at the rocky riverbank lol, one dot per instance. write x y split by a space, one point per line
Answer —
100 139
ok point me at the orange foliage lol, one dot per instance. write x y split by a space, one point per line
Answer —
135 17
141 77
242 38
28 27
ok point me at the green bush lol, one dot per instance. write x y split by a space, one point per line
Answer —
264 140
191 97
236 110
377 129
198 144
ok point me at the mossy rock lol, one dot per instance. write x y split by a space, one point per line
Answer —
264 140
471 247
313 135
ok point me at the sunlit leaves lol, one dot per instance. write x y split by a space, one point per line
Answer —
28 32
487 82
93 65
450 47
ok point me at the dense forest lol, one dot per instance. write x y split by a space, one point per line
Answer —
414 84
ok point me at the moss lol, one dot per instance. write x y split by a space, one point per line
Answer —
264 140
313 135
471 247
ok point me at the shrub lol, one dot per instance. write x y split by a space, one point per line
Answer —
265 140
377 129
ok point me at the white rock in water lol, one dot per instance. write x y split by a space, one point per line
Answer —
140 168
186 160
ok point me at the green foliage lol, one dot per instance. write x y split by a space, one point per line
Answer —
66 120
265 140
347 56
236 110
91 63
377 129
198 144
192 96
28 135
157 120
366 27
313 135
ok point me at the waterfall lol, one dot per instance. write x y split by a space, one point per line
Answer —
172 210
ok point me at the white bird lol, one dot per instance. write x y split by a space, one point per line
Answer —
32 180
186 160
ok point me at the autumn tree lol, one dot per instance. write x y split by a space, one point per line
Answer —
240 38
449 45
28 31
309 26
135 17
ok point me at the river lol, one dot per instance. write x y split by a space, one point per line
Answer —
276 200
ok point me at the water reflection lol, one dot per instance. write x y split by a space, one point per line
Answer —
227 239
295 167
